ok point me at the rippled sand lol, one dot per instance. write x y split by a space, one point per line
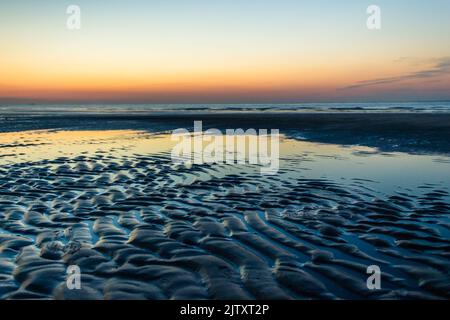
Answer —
140 227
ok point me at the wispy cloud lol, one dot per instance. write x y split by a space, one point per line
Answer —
441 66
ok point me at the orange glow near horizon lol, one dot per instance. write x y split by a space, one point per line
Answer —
62 81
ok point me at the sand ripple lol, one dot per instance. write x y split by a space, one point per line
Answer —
141 228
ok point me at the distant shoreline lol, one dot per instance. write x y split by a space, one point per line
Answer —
150 109
389 132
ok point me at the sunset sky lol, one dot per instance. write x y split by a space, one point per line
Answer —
206 51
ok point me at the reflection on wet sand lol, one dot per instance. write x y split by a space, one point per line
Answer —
138 226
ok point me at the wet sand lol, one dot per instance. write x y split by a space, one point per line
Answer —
140 227
418 133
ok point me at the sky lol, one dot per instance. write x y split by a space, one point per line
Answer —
234 51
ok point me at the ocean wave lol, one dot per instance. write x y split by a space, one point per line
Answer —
404 107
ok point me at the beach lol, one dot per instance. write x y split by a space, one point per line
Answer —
100 191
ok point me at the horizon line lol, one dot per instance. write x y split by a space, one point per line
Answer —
92 102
